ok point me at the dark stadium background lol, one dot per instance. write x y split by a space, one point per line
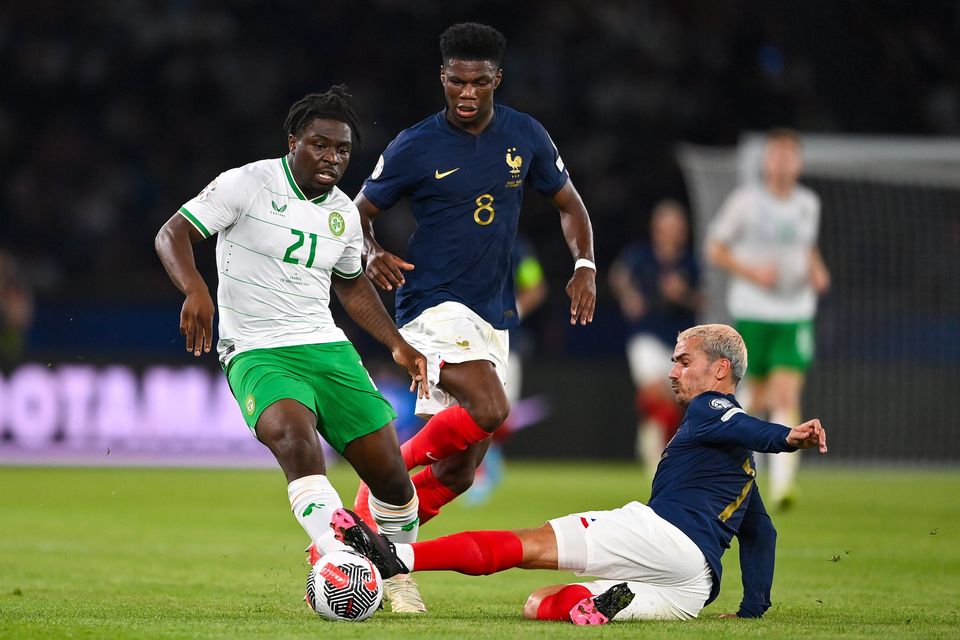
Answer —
114 113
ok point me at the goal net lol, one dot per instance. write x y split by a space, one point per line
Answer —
887 366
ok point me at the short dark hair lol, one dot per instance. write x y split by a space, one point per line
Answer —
472 41
783 133
332 105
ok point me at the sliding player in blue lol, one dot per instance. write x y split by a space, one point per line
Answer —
659 561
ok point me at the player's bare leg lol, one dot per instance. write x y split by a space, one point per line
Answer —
480 392
783 390
289 430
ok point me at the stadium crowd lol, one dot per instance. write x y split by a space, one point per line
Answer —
114 112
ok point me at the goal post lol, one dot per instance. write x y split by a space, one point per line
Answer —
887 367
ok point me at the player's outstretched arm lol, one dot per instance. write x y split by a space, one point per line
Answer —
361 302
383 268
809 434
575 222
720 255
174 246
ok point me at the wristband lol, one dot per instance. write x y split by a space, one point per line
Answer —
583 262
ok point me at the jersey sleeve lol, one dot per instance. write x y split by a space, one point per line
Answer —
392 177
716 420
758 547
221 202
726 226
547 172
349 265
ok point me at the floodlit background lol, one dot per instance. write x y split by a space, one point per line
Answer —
115 113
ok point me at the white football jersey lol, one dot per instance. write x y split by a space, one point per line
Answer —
761 229
276 252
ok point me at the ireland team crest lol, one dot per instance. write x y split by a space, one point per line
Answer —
250 404
337 225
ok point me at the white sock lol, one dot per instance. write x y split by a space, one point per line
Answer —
405 553
783 466
397 523
313 500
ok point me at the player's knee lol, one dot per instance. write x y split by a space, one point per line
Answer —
490 415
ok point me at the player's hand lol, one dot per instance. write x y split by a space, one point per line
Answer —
765 276
582 289
673 287
725 616
196 322
416 365
809 434
819 278
386 270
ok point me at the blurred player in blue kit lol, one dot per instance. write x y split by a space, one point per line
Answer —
462 171
286 235
656 284
659 561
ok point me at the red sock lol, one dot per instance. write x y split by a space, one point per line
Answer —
431 493
558 605
475 553
446 433
361 506
664 411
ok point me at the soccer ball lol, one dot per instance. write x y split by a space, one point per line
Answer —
344 586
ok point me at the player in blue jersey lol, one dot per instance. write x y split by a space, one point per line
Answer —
656 283
656 561
462 172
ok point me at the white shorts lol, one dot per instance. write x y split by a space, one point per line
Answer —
649 359
666 571
451 332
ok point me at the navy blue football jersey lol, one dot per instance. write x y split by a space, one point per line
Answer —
705 486
465 192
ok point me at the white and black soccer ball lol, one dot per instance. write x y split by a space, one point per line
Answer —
344 586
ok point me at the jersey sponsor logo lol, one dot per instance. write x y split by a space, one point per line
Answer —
336 223
278 208
250 404
560 164
440 175
377 170
514 162
429 455
720 404
207 190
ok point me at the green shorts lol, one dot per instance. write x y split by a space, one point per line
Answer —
777 345
329 379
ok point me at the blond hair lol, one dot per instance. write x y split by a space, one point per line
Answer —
720 341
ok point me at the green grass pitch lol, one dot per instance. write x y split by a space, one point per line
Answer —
187 553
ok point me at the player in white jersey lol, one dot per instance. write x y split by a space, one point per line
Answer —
286 234
765 237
